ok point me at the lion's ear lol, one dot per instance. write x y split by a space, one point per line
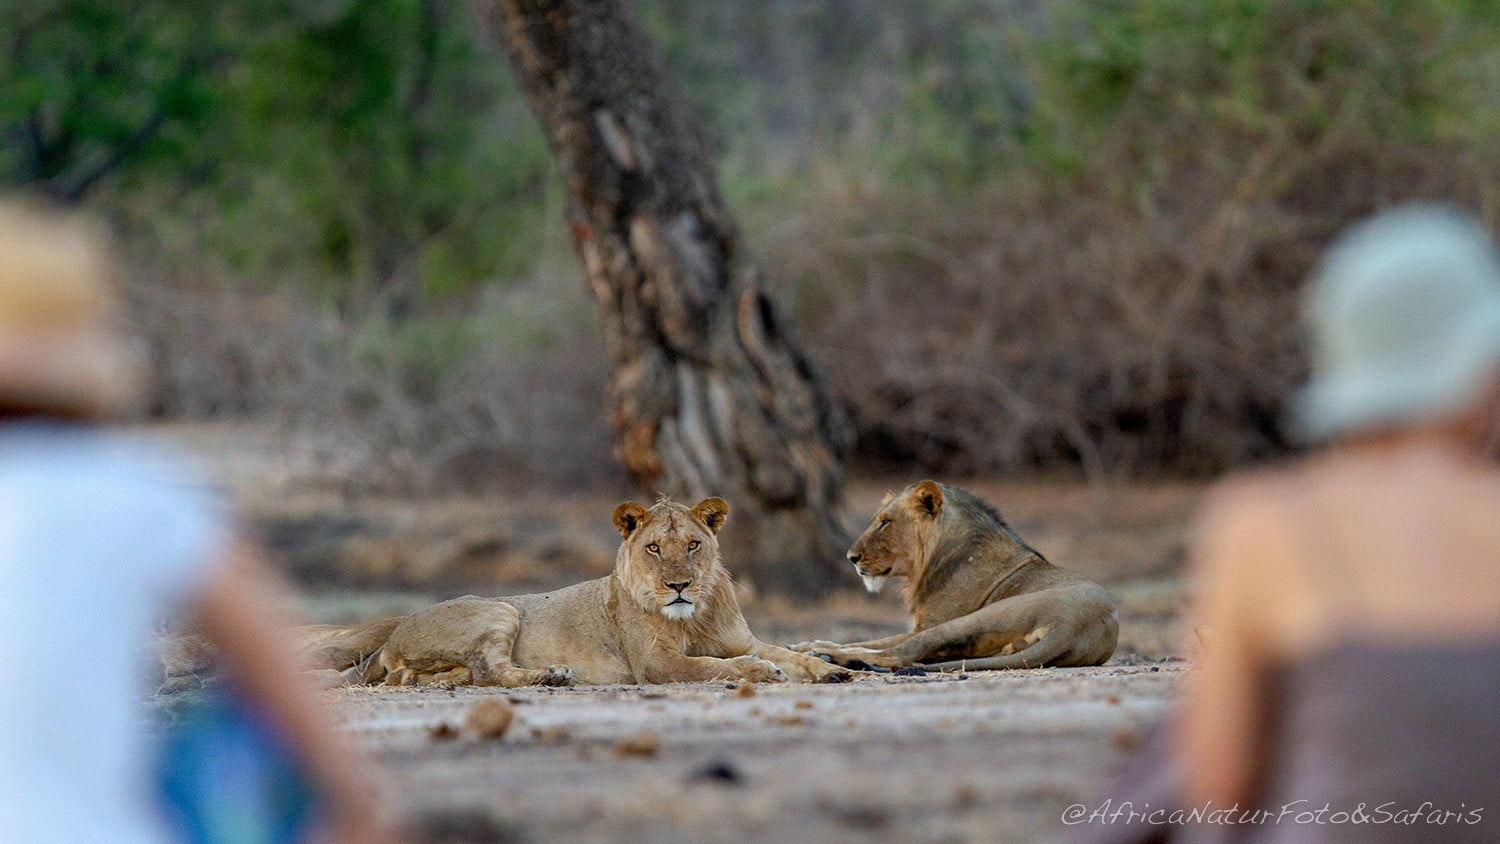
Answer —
928 497
712 512
628 517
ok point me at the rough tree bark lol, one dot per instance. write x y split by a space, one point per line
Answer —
709 392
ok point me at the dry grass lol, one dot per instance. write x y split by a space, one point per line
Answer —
509 392
1121 329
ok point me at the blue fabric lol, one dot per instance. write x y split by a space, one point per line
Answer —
226 776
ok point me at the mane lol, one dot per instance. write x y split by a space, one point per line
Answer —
974 503
966 524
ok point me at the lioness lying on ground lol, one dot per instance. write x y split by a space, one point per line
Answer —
666 614
978 596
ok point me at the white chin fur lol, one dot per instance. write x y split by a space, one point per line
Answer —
678 612
872 584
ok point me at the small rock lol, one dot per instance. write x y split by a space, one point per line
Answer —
490 718
743 690
1112 699
642 743
550 735
802 704
861 817
721 772
1124 739
789 720
442 732
443 827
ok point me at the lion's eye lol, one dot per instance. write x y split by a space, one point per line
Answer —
884 523
693 546
654 548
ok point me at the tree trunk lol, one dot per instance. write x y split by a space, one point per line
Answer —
709 392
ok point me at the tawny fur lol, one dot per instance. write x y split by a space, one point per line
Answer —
977 595
633 626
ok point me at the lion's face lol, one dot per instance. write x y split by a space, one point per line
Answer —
669 559
895 543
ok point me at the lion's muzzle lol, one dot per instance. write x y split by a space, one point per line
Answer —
681 606
873 580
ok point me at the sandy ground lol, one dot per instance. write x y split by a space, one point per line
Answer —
987 756
990 756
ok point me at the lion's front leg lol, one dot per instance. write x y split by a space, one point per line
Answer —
669 667
800 667
950 640
817 646
863 658
1001 628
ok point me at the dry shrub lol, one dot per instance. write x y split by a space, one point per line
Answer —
506 392
1121 294
1031 327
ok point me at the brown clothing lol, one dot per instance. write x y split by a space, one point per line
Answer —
1400 742
1408 732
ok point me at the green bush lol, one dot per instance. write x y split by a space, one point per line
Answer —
1156 81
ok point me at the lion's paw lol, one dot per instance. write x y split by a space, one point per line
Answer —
862 659
835 675
558 675
757 670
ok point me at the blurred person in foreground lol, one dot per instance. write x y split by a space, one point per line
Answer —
1349 603
98 540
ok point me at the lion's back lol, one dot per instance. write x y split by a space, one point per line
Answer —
985 551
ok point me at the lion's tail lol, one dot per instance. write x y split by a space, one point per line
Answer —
332 646
1042 652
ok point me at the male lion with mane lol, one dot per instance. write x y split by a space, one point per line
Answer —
666 613
978 596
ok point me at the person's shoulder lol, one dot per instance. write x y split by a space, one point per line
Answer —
1255 492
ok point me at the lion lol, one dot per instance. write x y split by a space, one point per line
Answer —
667 613
978 596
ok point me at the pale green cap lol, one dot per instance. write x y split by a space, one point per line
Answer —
1404 320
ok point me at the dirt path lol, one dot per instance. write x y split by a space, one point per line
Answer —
992 756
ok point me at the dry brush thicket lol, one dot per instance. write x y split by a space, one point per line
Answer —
1155 331
1011 330
371 410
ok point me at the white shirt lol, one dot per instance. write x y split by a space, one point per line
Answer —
98 537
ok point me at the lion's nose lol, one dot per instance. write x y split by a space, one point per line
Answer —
680 585
854 557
